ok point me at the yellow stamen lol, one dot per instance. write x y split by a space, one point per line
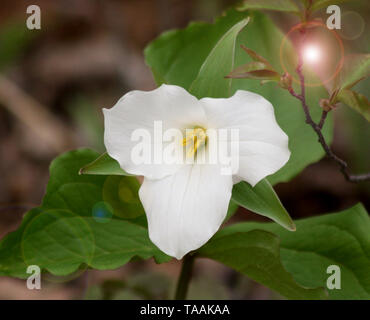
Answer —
195 138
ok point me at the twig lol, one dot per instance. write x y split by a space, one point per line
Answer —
323 118
35 116
318 127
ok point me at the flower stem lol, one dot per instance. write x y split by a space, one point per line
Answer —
185 277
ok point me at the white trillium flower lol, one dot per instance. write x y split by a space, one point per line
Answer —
186 203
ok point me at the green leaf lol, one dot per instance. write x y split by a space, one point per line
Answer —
122 195
319 4
231 210
259 68
356 101
262 199
177 56
173 60
256 57
256 254
78 223
341 239
254 70
210 81
276 5
57 240
103 165
355 68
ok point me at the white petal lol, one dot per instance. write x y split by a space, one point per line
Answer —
263 147
186 209
174 106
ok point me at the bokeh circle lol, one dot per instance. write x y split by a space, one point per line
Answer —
319 36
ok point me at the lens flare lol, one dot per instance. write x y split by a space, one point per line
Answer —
102 212
311 54
322 53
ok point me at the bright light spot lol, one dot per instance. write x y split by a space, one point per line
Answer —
311 54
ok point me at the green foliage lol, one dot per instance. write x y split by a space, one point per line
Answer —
356 68
231 210
319 4
177 57
252 70
341 239
256 254
356 101
263 200
77 225
276 5
357 129
211 68
259 69
103 165
288 6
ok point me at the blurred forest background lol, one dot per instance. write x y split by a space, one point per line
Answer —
54 83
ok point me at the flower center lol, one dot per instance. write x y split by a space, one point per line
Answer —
195 138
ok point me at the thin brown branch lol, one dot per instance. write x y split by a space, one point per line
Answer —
318 127
323 118
36 116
